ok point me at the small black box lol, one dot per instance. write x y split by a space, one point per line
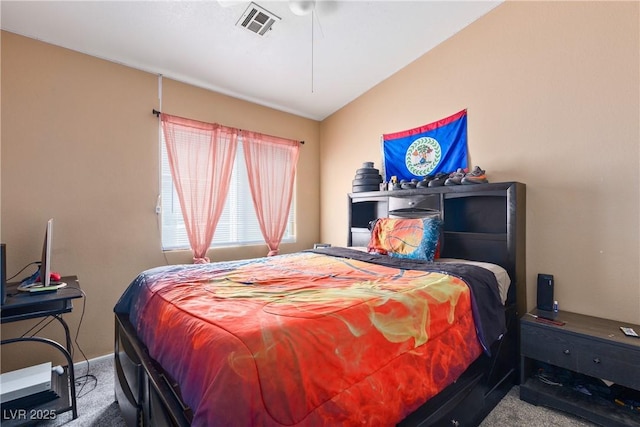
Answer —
545 292
3 272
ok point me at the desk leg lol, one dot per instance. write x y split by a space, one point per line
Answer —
66 333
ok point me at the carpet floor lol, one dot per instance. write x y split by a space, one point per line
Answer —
97 406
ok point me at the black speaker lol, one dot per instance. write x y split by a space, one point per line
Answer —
3 272
545 292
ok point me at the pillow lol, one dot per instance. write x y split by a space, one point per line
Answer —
414 238
504 281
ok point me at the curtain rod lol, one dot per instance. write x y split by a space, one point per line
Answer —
157 114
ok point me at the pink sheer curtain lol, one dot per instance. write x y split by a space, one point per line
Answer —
271 165
201 156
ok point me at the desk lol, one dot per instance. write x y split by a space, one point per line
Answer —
25 305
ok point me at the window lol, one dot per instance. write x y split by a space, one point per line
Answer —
238 224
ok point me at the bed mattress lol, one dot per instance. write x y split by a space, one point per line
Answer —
314 338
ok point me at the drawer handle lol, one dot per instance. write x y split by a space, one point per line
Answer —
567 352
412 203
596 360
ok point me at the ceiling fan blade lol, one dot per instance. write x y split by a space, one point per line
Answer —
302 7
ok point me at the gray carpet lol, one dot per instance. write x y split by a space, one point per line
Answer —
97 407
511 411
96 399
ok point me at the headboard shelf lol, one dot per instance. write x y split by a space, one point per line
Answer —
502 237
481 222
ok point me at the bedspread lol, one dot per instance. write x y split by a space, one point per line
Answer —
307 339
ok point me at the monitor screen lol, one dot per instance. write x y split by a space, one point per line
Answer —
43 283
45 263
3 272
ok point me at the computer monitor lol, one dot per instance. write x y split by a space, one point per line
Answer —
3 273
45 263
44 282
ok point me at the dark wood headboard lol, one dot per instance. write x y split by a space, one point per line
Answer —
481 222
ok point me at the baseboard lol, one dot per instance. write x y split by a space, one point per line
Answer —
83 364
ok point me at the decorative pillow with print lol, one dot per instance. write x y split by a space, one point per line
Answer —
414 238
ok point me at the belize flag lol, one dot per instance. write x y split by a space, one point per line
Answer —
427 150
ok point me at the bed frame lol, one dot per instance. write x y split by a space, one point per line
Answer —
482 222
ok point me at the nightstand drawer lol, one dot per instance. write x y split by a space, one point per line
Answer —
611 362
597 358
550 346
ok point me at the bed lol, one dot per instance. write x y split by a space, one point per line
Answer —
334 336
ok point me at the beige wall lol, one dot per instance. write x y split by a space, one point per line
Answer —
80 145
552 92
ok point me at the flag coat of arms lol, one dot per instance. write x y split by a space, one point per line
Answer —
438 147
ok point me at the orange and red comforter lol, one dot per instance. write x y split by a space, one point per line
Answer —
312 339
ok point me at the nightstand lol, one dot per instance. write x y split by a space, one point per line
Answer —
585 345
22 306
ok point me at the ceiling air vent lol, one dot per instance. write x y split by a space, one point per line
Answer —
257 19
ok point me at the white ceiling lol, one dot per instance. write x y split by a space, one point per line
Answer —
356 44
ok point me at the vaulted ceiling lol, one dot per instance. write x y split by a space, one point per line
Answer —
310 65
